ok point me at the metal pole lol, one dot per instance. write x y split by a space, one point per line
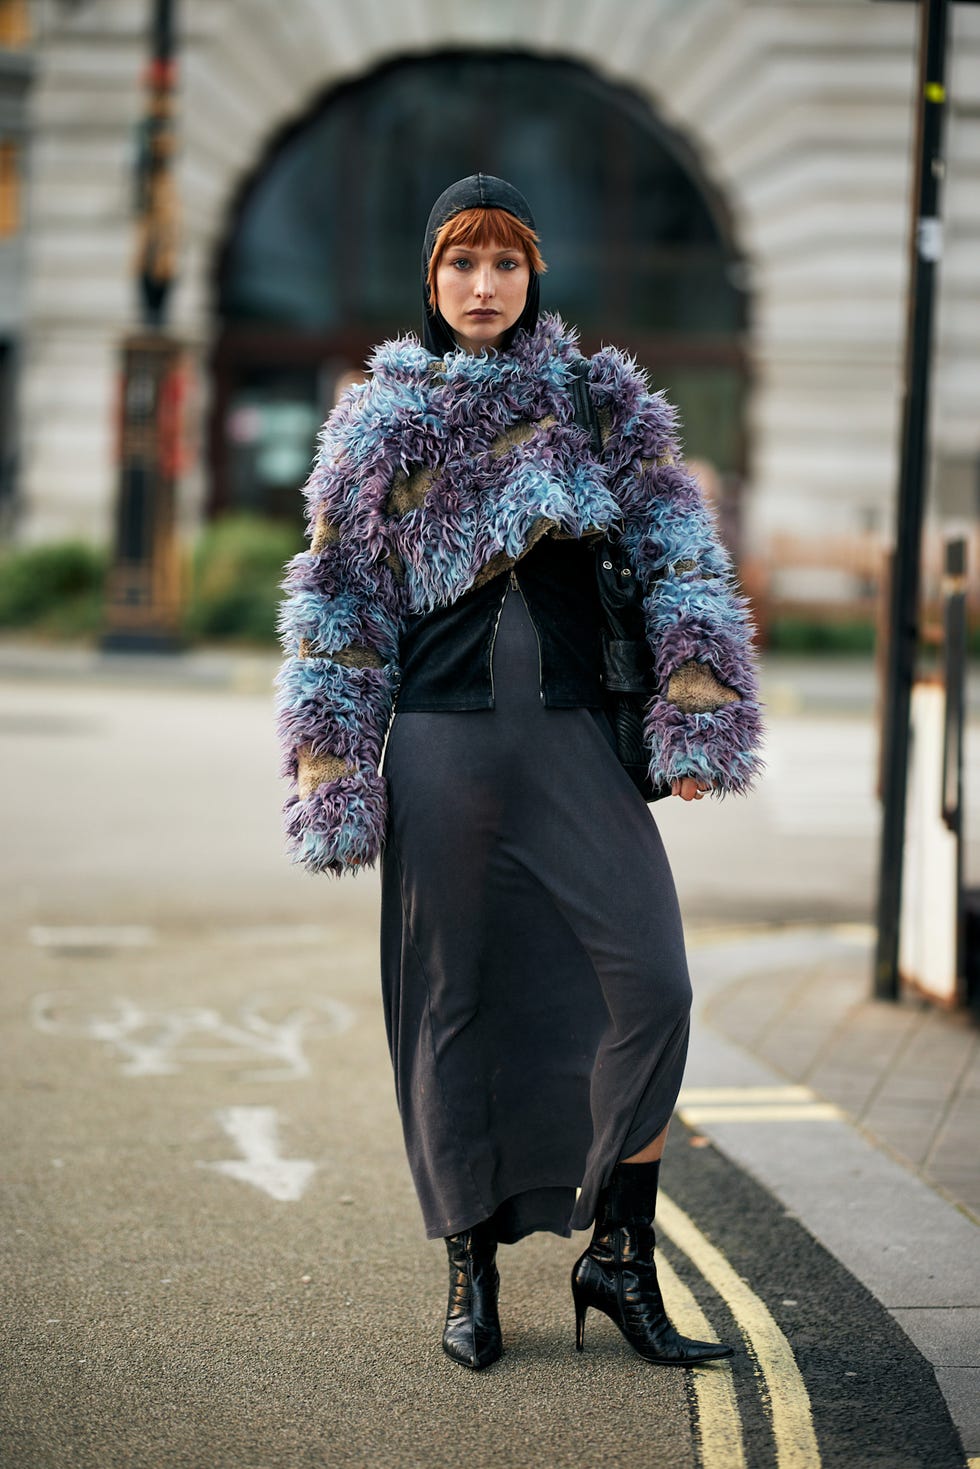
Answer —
954 650
157 245
143 587
925 250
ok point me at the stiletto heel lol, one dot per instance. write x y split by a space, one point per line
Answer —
617 1274
580 1309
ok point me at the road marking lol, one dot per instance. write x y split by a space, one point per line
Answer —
788 1402
158 1042
698 1104
747 1094
719 1424
762 1112
276 935
121 936
255 1132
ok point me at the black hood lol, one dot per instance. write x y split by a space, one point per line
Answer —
480 190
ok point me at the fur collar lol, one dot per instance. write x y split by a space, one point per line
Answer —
439 466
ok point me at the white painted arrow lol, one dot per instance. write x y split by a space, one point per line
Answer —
255 1131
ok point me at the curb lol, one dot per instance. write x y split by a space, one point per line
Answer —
873 1213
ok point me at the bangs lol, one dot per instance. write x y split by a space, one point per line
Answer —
473 229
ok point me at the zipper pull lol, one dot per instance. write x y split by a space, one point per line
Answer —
513 579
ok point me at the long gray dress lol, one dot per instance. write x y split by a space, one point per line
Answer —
534 973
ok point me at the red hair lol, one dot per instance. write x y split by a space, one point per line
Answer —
480 227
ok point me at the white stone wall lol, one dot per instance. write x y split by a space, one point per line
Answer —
956 407
801 113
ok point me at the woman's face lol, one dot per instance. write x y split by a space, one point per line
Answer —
481 292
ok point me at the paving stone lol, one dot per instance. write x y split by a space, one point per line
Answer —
959 1134
929 1094
910 1145
839 1087
961 1388
794 1059
963 1186
902 1070
947 1338
891 1116
971 1079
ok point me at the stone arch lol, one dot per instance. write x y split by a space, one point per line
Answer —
295 54
799 114
641 248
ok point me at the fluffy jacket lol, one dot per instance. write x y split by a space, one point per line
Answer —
433 475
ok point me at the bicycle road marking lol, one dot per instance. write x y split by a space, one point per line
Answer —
255 1132
789 1402
719 1424
156 1041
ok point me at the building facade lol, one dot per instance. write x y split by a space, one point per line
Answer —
723 187
16 73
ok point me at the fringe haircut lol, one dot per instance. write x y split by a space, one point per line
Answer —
480 227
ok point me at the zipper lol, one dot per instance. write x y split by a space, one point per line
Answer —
515 583
493 639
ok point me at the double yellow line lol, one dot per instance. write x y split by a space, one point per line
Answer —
754 1104
785 1400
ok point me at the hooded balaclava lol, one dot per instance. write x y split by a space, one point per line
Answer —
479 190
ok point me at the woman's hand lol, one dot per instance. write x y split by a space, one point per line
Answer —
689 788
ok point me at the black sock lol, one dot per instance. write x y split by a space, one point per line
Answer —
633 1191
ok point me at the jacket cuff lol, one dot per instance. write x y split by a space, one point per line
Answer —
720 747
339 827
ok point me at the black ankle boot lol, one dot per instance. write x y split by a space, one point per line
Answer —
472 1334
618 1275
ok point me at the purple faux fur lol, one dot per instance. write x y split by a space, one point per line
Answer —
717 747
345 713
340 827
485 496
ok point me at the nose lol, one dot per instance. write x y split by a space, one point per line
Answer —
483 282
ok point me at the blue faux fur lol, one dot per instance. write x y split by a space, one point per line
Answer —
486 495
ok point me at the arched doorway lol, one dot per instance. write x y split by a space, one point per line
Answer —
321 257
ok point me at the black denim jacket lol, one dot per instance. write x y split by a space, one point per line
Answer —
446 654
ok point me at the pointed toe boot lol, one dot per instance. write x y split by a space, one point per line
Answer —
617 1274
472 1333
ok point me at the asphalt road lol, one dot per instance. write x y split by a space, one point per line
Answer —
211 1253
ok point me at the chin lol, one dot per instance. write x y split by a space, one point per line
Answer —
496 328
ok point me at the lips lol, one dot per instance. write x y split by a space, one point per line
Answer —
485 315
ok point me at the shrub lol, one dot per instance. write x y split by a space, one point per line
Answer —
236 567
804 635
57 588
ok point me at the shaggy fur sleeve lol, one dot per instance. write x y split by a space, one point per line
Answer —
339 630
705 720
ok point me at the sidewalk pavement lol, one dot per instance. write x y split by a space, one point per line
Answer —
790 684
907 1074
212 667
861 1116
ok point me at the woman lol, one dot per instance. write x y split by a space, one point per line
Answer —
534 974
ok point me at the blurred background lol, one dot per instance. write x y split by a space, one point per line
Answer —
722 188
